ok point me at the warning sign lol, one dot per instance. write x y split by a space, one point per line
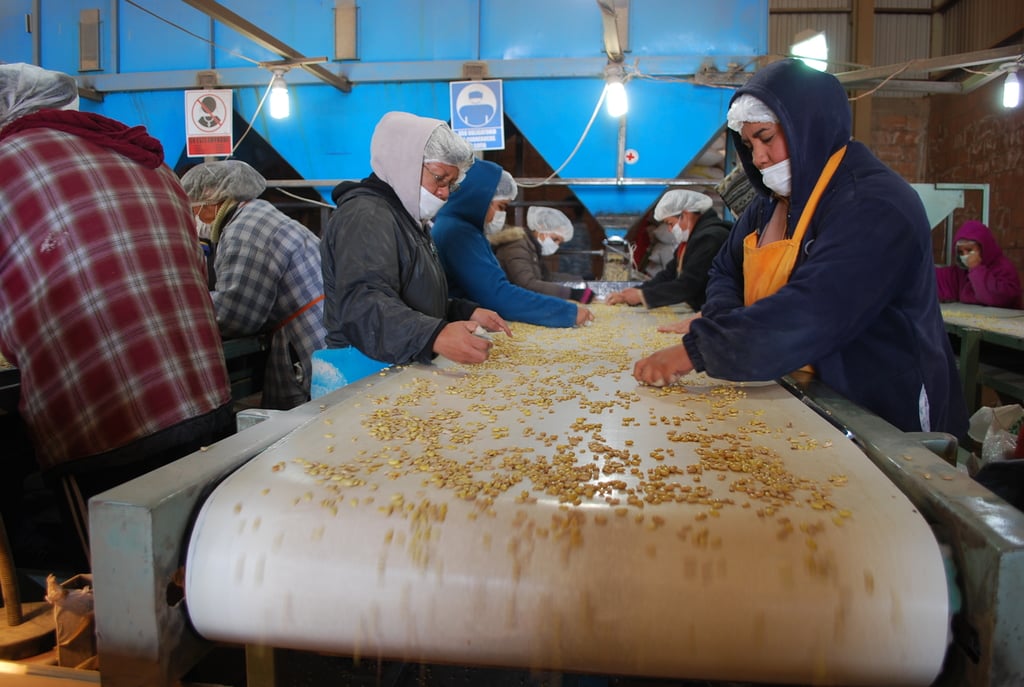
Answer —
208 123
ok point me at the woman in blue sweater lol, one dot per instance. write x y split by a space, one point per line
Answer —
472 269
829 267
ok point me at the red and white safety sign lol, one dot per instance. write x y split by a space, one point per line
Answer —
208 123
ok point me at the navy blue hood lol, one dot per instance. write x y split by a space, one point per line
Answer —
814 113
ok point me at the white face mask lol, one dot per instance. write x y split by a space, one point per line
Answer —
777 177
680 234
548 246
965 257
429 204
665 233
204 229
496 224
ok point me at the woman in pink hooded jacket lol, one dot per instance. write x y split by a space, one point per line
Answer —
980 274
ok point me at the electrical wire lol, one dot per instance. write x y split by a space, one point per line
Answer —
190 33
259 106
255 114
586 131
306 200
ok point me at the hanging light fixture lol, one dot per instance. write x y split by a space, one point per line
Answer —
615 89
1011 87
280 107
811 47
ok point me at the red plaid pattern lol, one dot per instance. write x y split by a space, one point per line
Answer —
103 300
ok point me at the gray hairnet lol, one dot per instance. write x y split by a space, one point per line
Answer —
215 182
545 220
678 201
26 88
747 108
448 148
507 189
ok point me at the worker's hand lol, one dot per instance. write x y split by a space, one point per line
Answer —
490 320
664 367
583 315
630 296
680 327
972 259
458 343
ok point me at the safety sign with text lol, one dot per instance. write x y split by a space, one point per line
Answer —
478 113
208 123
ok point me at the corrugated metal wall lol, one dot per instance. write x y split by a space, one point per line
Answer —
788 18
970 25
902 30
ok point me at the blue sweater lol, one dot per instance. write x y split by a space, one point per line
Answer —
469 263
861 303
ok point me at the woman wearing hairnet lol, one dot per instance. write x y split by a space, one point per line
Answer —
473 271
700 233
103 301
387 298
801 281
520 254
265 274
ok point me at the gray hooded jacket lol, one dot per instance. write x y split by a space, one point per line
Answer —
385 288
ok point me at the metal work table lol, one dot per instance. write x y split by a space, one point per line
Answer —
141 530
974 324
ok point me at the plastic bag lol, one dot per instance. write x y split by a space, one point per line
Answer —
996 429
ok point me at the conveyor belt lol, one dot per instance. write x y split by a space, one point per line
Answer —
543 511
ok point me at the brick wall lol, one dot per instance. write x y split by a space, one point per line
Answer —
899 135
973 139
966 139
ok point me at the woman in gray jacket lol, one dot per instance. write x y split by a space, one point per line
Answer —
386 294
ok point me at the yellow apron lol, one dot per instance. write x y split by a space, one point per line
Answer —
766 269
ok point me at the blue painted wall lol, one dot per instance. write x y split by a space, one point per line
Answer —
549 53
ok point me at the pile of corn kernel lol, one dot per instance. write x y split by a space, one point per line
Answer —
497 432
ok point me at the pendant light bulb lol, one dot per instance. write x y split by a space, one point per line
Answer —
280 106
1011 88
615 90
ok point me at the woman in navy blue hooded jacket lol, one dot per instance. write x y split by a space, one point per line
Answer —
469 262
856 301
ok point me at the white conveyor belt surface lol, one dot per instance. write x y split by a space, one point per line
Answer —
544 511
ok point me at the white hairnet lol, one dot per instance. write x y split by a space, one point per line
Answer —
215 182
545 220
507 189
26 88
448 148
747 108
678 201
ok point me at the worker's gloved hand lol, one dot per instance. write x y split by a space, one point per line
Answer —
583 296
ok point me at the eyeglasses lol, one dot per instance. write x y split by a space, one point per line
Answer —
440 182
